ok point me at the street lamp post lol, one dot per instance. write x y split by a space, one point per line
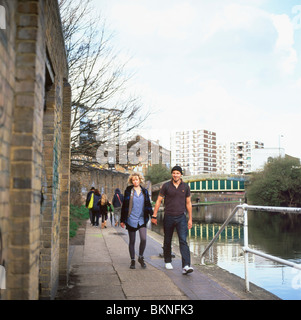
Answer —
280 136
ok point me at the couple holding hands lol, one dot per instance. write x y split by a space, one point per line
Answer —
137 208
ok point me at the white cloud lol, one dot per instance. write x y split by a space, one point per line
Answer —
298 84
140 20
284 45
286 124
228 66
212 108
233 17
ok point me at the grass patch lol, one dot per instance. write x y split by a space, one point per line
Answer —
77 216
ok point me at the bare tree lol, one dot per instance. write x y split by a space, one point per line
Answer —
101 107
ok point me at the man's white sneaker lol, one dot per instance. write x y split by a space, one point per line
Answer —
187 269
168 266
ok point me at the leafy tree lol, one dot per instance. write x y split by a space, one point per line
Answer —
158 173
279 184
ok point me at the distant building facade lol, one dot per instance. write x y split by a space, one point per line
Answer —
194 150
222 159
241 155
139 153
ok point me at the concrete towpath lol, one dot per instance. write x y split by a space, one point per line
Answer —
99 270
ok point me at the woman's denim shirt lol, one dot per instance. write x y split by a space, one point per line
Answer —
137 214
127 205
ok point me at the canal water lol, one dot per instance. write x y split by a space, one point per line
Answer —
272 233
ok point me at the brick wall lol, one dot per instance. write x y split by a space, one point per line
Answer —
34 173
104 180
65 186
7 85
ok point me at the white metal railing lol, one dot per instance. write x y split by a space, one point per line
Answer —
246 248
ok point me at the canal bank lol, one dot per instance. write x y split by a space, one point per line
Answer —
99 270
275 234
221 277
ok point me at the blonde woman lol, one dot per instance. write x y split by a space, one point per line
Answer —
135 212
103 204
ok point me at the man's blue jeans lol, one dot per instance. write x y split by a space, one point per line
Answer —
180 223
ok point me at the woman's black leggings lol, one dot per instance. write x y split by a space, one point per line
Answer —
132 238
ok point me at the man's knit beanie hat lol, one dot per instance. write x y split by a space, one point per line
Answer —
177 168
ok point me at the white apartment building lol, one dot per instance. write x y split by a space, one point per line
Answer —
244 157
194 151
241 156
222 159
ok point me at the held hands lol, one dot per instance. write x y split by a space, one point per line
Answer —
154 220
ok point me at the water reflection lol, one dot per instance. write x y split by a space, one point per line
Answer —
272 233
216 214
207 220
276 233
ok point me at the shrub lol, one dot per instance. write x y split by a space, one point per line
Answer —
279 184
77 216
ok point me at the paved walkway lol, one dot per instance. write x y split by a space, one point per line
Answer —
99 270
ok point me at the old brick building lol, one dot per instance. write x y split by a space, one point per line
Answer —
35 100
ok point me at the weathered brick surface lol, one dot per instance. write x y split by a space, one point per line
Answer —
7 83
104 180
34 194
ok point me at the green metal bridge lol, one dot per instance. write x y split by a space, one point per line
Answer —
211 183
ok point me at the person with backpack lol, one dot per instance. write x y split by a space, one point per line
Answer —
177 200
117 204
96 208
90 198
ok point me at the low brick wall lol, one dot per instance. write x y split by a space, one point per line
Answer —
104 180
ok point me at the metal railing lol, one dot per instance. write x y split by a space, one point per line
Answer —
246 248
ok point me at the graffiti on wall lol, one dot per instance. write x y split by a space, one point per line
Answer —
57 148
2 110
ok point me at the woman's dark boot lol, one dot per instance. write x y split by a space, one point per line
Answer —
141 261
132 266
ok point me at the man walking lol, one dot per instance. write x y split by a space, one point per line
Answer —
177 200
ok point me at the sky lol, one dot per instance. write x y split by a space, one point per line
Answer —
228 66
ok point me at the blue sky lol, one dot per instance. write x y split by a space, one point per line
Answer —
229 66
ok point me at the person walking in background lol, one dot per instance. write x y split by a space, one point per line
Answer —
177 201
89 195
135 212
111 211
104 203
117 204
95 209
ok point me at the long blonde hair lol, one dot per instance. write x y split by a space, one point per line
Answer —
136 174
104 199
